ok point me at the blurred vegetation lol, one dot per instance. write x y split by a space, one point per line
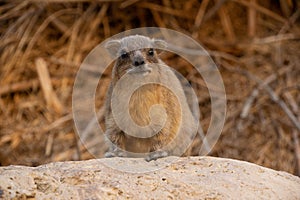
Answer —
254 43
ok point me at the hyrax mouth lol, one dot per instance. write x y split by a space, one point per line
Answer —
142 69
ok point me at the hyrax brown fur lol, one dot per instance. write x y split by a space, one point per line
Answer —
138 61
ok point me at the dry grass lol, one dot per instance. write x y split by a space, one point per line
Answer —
255 44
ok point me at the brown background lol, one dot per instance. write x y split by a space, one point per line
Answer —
254 43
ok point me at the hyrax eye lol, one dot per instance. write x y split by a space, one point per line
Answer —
151 52
124 55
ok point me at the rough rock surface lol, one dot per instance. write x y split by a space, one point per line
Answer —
182 178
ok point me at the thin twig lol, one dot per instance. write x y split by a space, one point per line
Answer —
210 13
167 10
295 108
297 150
252 20
274 97
58 123
226 24
262 10
277 100
249 101
24 86
45 81
158 19
276 38
49 144
128 3
72 1
290 21
292 102
199 17
91 125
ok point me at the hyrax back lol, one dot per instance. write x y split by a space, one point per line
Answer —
171 126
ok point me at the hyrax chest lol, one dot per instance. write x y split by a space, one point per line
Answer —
156 103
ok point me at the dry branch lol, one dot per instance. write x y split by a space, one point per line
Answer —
249 101
276 38
252 19
270 92
167 10
128 3
210 13
262 10
226 23
24 86
297 149
45 81
199 17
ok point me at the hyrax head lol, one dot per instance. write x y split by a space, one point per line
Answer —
135 54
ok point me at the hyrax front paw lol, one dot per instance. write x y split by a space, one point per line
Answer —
111 154
155 155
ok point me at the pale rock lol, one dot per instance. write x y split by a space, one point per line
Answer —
134 178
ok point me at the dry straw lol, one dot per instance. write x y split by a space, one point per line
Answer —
255 44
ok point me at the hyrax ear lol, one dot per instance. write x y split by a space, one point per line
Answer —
113 47
159 45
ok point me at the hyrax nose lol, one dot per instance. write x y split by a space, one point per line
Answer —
138 60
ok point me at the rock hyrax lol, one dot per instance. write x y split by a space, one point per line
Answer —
164 130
